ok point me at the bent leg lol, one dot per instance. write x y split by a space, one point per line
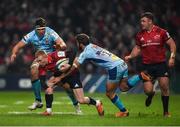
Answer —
36 84
110 93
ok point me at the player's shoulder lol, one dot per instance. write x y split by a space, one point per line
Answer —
140 34
159 29
48 29
31 34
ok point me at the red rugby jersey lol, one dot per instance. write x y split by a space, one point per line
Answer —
152 44
52 59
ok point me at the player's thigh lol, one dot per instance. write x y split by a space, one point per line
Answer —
164 85
148 87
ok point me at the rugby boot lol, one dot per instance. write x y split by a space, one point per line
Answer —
35 105
99 107
46 113
122 114
145 76
167 114
149 99
78 109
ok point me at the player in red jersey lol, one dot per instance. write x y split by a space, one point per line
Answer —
52 62
150 43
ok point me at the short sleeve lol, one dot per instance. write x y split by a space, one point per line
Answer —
165 35
54 35
83 56
138 40
27 38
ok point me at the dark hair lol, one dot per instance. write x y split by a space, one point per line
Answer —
40 22
82 39
148 15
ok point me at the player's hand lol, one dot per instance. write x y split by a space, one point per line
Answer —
171 62
13 57
127 58
65 67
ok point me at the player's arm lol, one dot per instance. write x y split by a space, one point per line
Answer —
75 65
170 42
16 49
60 44
134 53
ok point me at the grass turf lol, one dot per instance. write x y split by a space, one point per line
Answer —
14 112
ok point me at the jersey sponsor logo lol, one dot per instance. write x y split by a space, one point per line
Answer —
166 74
157 36
46 40
61 54
150 44
76 85
142 39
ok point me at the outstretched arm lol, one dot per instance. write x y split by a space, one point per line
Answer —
73 67
16 49
134 53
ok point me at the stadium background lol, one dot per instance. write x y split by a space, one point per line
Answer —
113 22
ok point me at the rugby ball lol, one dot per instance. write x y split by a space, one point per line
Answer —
61 62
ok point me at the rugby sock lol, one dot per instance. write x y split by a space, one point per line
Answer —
133 81
92 101
71 96
165 101
118 103
36 85
49 100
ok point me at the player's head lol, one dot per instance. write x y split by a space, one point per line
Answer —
147 20
82 40
40 25
41 58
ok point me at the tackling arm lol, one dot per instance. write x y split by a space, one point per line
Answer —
134 53
60 44
73 67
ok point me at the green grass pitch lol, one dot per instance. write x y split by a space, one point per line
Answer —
14 112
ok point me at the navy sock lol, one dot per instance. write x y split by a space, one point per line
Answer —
165 102
49 100
92 101
71 96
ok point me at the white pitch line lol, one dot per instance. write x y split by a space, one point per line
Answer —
3 106
19 102
57 113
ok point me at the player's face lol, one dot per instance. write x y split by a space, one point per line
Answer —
145 23
42 60
40 31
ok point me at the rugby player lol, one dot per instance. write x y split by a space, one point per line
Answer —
52 62
117 70
150 42
46 39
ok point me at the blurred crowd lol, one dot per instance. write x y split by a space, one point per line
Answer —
113 22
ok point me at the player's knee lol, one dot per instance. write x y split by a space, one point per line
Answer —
165 91
49 90
81 100
124 88
109 95
34 73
